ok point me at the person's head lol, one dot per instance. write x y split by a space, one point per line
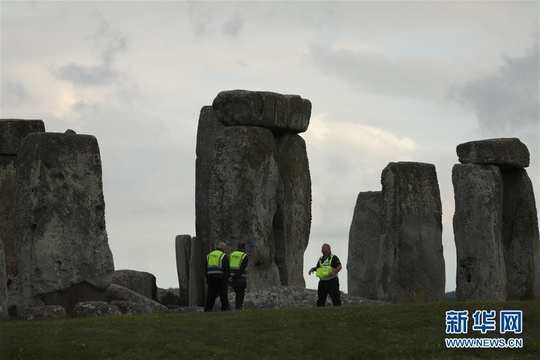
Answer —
222 246
242 246
326 249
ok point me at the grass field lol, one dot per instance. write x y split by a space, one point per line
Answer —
402 331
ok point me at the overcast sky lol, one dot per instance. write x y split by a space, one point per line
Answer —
388 81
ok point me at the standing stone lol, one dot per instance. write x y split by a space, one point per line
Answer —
411 262
12 133
208 129
292 221
478 192
504 152
3 289
520 238
364 238
197 271
183 254
64 253
243 190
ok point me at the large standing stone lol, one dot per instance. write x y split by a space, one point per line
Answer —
478 192
277 112
292 221
12 133
243 190
504 152
364 238
411 262
183 254
61 219
520 238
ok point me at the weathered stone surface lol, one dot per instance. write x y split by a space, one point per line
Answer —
208 129
411 262
4 315
95 308
277 112
183 254
60 215
49 312
197 272
243 190
292 221
67 298
132 308
166 297
364 238
117 292
12 133
520 238
504 152
141 282
478 192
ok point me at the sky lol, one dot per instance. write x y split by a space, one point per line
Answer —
388 81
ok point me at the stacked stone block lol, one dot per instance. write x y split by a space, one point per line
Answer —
395 241
495 222
253 182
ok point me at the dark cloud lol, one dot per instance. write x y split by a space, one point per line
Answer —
110 42
13 93
506 100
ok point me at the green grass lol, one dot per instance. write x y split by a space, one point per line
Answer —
402 331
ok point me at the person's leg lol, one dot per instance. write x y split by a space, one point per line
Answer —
333 290
223 295
240 291
322 293
211 294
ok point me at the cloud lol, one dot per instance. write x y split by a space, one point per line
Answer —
13 93
209 19
508 99
110 42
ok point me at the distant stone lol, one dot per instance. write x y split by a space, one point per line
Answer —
478 192
95 308
70 132
13 132
141 282
38 313
277 112
166 297
117 292
364 242
60 216
292 221
503 152
243 189
197 272
411 262
520 238
183 253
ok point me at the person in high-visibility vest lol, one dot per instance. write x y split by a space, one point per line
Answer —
238 280
327 269
217 274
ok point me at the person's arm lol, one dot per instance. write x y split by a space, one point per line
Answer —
242 270
336 270
313 269
226 267
336 264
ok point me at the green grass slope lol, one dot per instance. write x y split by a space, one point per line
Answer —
401 331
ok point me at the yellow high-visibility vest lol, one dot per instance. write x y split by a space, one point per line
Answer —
325 268
236 258
214 261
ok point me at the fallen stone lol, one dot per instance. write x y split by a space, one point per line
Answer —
503 152
364 242
166 297
478 192
94 309
117 292
141 282
277 112
38 313
132 308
